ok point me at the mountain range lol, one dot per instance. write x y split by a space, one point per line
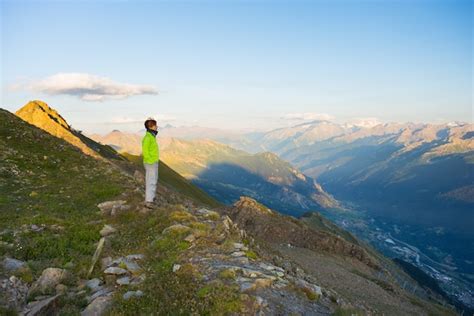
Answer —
75 238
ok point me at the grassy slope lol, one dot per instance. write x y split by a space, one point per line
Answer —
48 182
172 179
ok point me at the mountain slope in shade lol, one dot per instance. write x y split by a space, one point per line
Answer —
227 173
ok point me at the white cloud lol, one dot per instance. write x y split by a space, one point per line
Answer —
88 87
308 116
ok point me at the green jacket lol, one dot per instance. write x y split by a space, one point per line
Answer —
151 153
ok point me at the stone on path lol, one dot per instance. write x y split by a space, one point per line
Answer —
98 306
115 270
131 294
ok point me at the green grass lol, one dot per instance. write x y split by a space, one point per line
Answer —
47 182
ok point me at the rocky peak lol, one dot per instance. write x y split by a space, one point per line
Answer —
41 115
250 205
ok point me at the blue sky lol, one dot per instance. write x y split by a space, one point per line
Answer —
239 64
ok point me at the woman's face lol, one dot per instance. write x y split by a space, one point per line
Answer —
154 127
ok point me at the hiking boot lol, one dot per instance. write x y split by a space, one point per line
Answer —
150 205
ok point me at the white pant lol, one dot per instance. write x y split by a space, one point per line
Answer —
151 178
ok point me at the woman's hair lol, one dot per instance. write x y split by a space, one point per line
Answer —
149 123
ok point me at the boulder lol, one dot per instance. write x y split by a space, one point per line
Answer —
50 277
13 265
98 306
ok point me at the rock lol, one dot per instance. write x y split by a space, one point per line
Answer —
238 254
36 228
110 204
312 288
102 292
115 271
13 265
131 294
94 284
107 230
42 307
135 257
13 293
123 280
176 267
130 265
238 245
48 280
98 306
121 208
250 273
95 257
112 207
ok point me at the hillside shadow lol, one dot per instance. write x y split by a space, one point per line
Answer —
227 182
